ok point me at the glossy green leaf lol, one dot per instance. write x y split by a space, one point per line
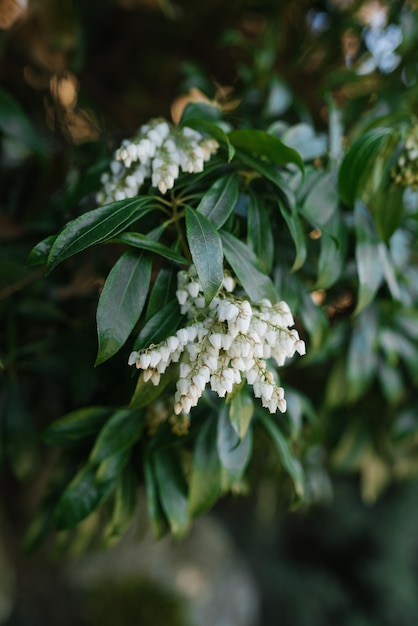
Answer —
241 411
121 302
163 291
321 203
172 490
357 163
205 478
260 234
244 264
369 267
81 498
206 249
362 354
160 326
197 112
387 210
159 523
267 170
290 462
76 425
120 432
126 502
296 231
145 393
112 466
136 240
220 200
234 452
260 143
39 254
97 226
332 257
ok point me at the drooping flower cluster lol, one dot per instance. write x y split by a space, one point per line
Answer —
224 344
406 171
159 151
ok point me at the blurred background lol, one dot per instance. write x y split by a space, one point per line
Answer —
76 78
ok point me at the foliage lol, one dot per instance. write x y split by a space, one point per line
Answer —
248 190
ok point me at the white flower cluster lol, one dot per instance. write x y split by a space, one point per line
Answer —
224 344
159 151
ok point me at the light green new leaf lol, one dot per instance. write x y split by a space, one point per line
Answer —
206 249
244 264
119 433
81 497
220 200
160 326
97 226
172 490
260 234
261 144
76 425
136 240
205 478
241 411
369 267
121 302
290 462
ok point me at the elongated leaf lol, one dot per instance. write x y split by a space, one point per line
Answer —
357 163
82 496
260 234
16 125
39 254
126 501
121 302
367 257
159 523
163 291
205 478
241 411
269 171
136 240
76 425
290 462
244 264
387 209
206 249
97 226
362 354
262 144
220 200
172 490
120 432
321 203
145 393
205 119
112 466
333 252
296 230
234 453
160 326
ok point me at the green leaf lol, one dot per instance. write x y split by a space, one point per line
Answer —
362 355
220 200
209 123
296 231
261 144
205 477
39 254
145 393
81 498
16 125
136 240
160 326
119 433
76 425
206 249
241 411
234 452
244 264
121 302
333 252
126 502
358 162
321 203
97 226
267 170
260 234
112 466
159 524
290 462
369 267
163 291
387 209
172 490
